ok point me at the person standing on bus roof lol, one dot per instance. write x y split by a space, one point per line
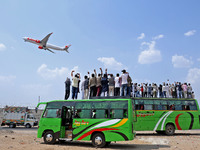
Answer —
82 89
99 82
129 85
189 89
104 84
67 88
75 81
86 87
92 84
124 78
117 85
111 82
184 87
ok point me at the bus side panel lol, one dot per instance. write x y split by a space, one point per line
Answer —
45 124
146 119
113 129
182 120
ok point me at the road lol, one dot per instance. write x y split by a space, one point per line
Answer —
23 138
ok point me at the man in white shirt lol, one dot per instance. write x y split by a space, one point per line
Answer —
117 85
75 82
124 83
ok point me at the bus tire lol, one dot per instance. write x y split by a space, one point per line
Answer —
169 129
49 137
11 125
98 140
28 125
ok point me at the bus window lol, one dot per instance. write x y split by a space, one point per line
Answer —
193 107
83 105
148 104
119 104
100 114
164 107
148 107
178 107
77 113
52 113
172 107
185 107
117 114
94 113
85 114
139 104
100 105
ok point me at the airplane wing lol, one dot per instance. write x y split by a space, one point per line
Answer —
50 50
44 40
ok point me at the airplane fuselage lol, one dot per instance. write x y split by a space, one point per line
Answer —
47 46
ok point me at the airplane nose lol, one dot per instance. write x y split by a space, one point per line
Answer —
25 39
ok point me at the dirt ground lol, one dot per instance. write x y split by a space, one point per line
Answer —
25 139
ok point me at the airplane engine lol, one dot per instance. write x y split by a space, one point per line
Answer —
40 47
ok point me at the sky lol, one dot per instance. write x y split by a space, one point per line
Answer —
153 40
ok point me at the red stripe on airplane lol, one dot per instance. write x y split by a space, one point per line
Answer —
37 41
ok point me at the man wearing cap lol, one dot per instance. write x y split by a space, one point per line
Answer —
124 83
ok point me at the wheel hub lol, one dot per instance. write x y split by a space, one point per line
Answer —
49 137
98 140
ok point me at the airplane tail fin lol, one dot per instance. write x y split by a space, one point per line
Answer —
66 48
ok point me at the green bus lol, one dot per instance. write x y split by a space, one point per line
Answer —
165 115
98 120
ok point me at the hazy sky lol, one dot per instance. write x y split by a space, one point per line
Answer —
154 40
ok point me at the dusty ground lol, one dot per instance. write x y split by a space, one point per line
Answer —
25 139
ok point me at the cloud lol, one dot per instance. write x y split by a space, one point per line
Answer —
181 62
198 59
158 37
111 63
190 33
7 79
142 36
150 55
47 73
193 77
2 47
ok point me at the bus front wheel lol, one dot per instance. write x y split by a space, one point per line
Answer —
169 129
98 140
49 137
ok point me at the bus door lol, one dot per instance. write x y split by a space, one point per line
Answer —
66 123
145 114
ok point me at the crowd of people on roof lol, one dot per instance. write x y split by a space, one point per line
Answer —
105 84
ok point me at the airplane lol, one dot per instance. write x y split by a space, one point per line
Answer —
44 45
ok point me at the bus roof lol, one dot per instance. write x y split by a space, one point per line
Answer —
146 98
81 100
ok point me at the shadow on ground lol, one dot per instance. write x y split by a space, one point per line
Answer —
113 145
176 134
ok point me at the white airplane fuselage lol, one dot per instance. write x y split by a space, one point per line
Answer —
48 45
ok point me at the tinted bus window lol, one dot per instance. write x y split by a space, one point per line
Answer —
139 104
148 104
52 113
83 105
118 109
119 104
100 105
